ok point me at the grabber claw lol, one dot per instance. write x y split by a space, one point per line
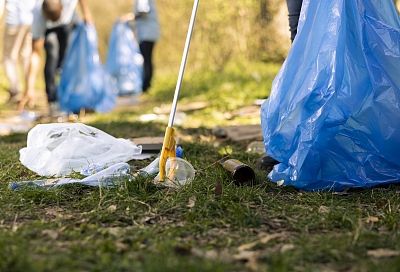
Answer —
168 150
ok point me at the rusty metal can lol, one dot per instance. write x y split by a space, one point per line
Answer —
241 173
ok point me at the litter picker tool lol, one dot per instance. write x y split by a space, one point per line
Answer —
168 149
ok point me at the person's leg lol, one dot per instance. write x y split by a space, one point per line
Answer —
56 46
294 7
26 48
63 34
50 69
146 48
12 43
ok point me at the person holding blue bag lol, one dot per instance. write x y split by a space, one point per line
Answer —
124 60
147 30
85 84
331 120
53 22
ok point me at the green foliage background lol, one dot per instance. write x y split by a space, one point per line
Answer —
250 30
225 30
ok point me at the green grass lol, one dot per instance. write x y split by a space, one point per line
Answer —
154 229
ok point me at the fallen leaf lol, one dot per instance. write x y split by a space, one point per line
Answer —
323 209
15 225
54 212
372 219
246 255
209 254
383 253
51 233
115 231
262 240
147 220
89 212
192 202
112 208
121 247
287 247
218 189
250 258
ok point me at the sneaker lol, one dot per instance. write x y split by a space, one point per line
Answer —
55 110
28 116
266 163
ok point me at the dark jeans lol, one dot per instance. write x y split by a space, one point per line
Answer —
56 42
146 48
294 7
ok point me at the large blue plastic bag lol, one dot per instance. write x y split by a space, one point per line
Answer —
124 60
84 82
333 118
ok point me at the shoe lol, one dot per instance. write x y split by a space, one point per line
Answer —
55 110
266 163
28 116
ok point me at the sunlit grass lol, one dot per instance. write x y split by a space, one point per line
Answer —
141 227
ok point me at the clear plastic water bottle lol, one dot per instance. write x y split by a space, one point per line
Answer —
106 178
109 176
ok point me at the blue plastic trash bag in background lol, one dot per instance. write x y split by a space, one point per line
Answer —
333 118
84 83
124 60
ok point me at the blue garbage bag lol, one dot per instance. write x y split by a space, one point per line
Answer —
333 117
84 82
124 60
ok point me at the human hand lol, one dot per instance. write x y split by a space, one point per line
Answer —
88 19
87 15
127 17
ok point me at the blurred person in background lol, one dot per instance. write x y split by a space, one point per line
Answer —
17 41
53 22
147 30
294 7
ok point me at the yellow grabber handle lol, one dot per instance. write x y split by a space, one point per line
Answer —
168 150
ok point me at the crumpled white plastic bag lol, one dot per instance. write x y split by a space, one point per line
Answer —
56 150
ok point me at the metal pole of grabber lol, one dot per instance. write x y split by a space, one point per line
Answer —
168 149
183 63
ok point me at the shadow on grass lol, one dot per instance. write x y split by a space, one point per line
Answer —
126 129
13 138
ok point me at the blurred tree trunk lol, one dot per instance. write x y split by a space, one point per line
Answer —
272 39
264 10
